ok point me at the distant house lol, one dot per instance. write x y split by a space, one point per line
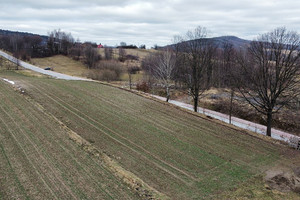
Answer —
100 46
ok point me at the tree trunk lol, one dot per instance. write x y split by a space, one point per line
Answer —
269 123
168 93
196 98
17 64
129 74
230 109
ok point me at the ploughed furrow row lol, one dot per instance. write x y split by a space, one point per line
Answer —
68 106
46 164
39 152
157 176
233 147
9 180
199 165
31 162
34 154
168 121
177 153
236 165
172 147
162 133
208 132
158 162
57 143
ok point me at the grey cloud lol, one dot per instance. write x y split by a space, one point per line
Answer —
149 21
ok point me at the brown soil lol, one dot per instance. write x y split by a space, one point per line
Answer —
284 179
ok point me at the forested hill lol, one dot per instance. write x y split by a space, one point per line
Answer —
236 41
220 41
7 32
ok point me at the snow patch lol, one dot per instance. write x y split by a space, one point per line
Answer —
11 82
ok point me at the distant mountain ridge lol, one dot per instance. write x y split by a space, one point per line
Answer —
219 41
236 41
7 32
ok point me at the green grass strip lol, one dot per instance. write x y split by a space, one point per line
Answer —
13 172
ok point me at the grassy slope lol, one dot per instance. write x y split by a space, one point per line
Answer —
62 64
141 53
175 152
39 161
66 65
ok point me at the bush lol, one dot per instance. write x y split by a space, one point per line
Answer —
91 56
131 57
133 70
107 71
112 65
143 86
109 75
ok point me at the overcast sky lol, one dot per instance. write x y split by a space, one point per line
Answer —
148 22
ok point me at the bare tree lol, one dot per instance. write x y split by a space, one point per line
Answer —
146 66
108 52
130 71
163 69
1 62
32 46
91 56
76 51
17 43
179 70
122 54
60 42
270 71
197 53
16 60
228 65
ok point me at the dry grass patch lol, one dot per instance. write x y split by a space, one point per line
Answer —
62 64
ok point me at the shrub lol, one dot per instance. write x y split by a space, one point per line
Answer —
106 71
143 86
112 65
133 70
109 75
91 56
131 57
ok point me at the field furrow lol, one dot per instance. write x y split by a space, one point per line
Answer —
174 152
46 163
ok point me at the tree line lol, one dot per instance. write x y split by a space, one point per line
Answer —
266 72
27 46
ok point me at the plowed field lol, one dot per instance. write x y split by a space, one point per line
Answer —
178 154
